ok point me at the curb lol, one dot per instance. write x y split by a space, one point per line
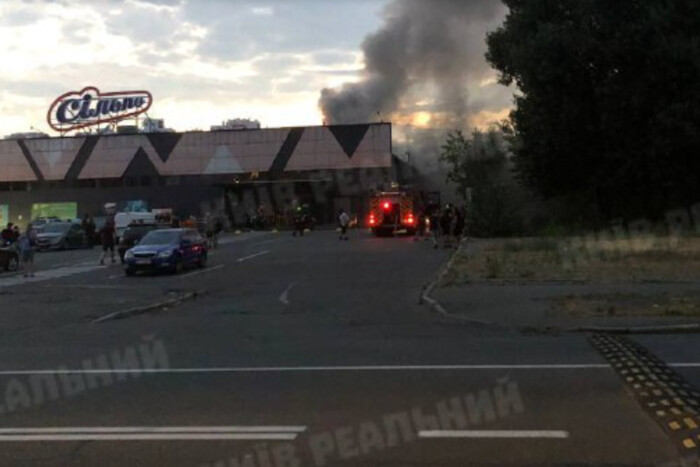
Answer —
663 329
428 288
436 306
122 314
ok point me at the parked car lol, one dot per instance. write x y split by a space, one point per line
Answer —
60 236
167 250
132 235
124 219
39 223
9 258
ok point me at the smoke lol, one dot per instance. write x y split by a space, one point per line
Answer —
420 62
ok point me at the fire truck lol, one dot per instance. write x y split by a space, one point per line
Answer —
394 211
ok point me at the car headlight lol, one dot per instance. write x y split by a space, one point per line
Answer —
165 254
56 240
128 255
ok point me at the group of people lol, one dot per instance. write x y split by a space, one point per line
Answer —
107 235
10 234
25 243
447 224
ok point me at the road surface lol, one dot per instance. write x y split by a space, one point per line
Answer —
303 352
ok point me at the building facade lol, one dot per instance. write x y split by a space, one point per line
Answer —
227 172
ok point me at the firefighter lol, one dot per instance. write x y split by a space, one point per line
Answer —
447 226
434 217
460 224
421 225
344 222
299 222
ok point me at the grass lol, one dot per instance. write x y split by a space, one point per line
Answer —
649 258
622 305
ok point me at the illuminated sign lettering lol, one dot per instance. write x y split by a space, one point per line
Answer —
88 107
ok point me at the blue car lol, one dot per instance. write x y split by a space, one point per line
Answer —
170 250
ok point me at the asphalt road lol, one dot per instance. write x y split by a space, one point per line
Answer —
301 351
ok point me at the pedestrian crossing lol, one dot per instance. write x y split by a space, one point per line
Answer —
49 274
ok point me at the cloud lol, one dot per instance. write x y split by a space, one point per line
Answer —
236 32
203 60
263 11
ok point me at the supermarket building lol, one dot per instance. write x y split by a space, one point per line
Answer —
228 172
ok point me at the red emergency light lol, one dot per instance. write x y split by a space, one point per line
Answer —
386 205
410 220
372 220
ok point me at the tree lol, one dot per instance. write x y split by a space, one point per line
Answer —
608 108
481 171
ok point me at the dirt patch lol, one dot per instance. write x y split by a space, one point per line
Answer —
580 259
621 305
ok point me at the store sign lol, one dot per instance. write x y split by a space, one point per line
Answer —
64 211
74 110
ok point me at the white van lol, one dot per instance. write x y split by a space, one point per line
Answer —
123 219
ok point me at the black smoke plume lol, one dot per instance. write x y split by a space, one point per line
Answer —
422 59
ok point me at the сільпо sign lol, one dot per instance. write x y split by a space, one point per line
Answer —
87 107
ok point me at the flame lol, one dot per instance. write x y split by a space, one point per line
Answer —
422 119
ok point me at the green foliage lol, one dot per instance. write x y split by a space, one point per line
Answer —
494 267
608 108
481 171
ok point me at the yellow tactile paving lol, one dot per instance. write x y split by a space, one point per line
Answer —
657 387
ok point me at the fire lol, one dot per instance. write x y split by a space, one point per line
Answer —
421 119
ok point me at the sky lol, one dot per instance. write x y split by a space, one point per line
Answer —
204 61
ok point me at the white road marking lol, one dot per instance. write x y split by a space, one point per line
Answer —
79 286
150 437
553 434
156 429
284 298
71 434
311 369
49 274
202 271
255 255
267 242
82 262
247 236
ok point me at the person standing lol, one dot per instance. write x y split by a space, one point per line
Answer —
107 237
299 222
434 218
218 228
446 224
26 244
89 229
344 221
7 234
460 224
